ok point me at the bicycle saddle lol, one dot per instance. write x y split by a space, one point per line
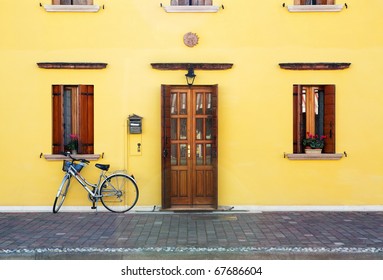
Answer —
104 167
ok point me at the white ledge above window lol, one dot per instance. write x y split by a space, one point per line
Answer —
72 8
315 8
191 9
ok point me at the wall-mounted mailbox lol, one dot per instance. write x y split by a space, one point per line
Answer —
135 124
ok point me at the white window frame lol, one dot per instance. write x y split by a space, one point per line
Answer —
57 7
314 8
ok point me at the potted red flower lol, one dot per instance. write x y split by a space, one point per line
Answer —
313 143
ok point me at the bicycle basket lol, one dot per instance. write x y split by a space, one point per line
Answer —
79 166
66 165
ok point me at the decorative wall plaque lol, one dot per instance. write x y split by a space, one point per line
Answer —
190 39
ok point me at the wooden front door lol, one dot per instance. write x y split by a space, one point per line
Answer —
189 147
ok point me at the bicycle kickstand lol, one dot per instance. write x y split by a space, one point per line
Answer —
94 206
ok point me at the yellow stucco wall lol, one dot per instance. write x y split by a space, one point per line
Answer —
255 96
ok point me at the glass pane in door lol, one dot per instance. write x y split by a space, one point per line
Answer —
199 154
174 154
209 108
198 129
208 127
174 105
199 104
183 154
183 104
173 129
183 129
208 153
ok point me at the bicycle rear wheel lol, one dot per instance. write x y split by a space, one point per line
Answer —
61 194
119 193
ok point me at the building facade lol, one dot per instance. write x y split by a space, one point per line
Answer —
268 75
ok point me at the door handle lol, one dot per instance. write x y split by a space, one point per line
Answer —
188 151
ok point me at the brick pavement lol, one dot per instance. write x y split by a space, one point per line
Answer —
207 235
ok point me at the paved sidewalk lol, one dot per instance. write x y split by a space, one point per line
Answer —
215 235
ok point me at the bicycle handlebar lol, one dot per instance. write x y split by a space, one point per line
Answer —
68 154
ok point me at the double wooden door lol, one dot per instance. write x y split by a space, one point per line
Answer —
189 147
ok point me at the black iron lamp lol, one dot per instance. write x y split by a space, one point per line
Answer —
190 76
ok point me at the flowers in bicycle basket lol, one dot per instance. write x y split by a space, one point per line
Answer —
73 143
314 141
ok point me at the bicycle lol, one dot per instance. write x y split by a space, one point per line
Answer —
118 192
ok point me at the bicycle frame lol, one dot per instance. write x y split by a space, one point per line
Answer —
85 184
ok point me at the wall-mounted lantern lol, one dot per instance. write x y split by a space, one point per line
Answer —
190 76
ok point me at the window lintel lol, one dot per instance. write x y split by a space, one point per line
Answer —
315 65
72 65
195 66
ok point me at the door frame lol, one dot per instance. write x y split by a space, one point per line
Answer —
165 151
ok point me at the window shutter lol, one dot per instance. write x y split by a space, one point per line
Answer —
166 148
329 118
86 119
57 119
298 125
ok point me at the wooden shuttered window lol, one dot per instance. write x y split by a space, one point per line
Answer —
86 119
314 2
72 2
166 145
191 2
329 118
80 114
323 119
57 119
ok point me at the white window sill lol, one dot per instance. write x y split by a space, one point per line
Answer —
78 156
72 8
191 9
315 8
314 156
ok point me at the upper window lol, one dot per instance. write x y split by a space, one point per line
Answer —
191 2
72 108
314 114
314 2
72 2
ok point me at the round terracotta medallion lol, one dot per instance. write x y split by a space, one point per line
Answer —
190 39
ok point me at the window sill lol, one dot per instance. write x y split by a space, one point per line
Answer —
72 8
314 156
191 9
315 8
78 156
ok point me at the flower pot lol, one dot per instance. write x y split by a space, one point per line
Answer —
313 151
74 152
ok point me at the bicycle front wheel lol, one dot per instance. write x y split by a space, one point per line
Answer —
61 194
119 193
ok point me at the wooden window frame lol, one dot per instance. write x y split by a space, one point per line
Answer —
83 108
314 2
300 125
191 6
85 6
72 2
191 2
315 6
